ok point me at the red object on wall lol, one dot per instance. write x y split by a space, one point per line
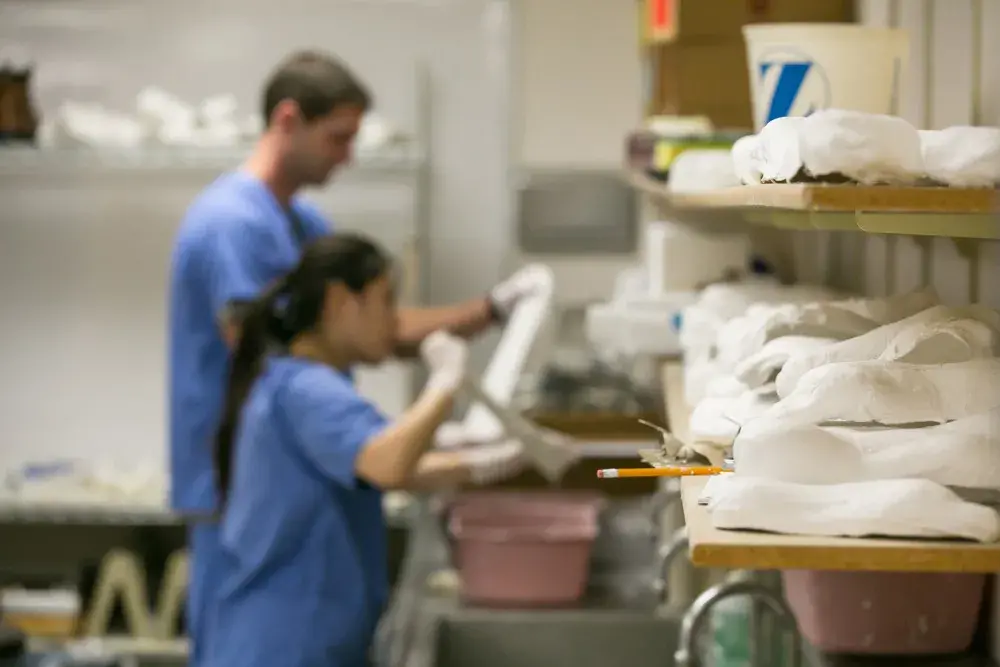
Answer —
662 21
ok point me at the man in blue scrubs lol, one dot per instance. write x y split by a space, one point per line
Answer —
243 232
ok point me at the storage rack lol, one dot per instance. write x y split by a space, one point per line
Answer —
965 215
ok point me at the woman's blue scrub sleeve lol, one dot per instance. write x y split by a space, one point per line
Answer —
330 422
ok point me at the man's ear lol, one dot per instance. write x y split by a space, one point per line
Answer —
286 116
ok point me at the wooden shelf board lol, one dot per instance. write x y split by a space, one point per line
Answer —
857 200
750 550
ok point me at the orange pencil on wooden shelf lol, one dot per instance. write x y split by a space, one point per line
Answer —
670 471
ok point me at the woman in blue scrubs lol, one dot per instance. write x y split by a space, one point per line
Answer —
303 460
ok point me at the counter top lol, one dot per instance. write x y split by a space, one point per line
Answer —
752 550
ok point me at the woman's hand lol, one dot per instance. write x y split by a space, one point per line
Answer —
445 356
493 463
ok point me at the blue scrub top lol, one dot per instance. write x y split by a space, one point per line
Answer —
233 242
303 571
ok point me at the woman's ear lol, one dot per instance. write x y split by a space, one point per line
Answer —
337 296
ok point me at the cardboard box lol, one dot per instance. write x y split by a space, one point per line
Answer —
714 19
702 78
699 65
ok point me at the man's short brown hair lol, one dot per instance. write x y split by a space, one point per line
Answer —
317 82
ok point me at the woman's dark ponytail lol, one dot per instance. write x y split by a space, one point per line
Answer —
292 306
259 326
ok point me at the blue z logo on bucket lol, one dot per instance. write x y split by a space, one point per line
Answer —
791 84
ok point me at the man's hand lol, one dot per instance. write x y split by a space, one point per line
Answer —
524 283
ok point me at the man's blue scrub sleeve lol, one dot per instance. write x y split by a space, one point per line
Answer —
330 422
235 270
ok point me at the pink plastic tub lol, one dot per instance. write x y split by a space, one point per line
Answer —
523 550
886 613
544 502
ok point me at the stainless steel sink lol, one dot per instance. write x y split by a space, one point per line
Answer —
554 638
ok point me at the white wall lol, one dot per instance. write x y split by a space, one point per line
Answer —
577 94
578 81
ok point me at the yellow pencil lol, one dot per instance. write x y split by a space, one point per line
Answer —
672 471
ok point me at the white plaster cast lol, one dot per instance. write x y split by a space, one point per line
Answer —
896 508
926 337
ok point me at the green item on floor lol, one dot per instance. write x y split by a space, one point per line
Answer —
730 645
731 633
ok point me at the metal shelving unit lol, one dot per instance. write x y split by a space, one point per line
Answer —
27 162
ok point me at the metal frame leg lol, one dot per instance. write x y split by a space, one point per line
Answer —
697 615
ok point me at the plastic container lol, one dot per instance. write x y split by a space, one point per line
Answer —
679 258
41 613
639 327
544 502
798 68
885 613
523 550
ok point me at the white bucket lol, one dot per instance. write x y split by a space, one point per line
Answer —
799 68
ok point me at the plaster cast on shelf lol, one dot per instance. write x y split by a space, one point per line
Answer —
747 335
965 452
715 422
718 305
886 392
699 371
941 334
967 157
915 508
702 170
722 302
776 155
508 360
746 159
761 368
863 147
